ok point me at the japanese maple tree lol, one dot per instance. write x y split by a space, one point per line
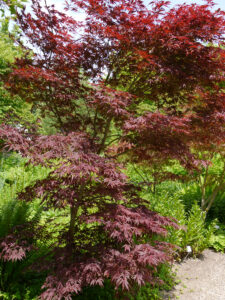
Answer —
130 83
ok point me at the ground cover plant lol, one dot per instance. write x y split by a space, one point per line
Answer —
217 240
130 84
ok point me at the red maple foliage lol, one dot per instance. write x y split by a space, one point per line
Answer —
93 79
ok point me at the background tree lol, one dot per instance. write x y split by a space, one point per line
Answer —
10 106
13 109
9 7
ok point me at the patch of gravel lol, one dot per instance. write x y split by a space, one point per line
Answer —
200 279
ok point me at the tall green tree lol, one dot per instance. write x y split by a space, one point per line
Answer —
9 7
13 109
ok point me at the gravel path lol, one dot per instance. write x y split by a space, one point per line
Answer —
200 279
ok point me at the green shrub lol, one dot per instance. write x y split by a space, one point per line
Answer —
196 234
217 210
182 201
15 176
191 193
193 230
217 239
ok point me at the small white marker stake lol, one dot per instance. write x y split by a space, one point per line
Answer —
189 249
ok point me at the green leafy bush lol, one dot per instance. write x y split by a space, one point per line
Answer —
191 193
217 240
196 234
217 210
193 230
15 175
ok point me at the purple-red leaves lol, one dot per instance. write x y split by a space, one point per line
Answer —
159 137
122 223
121 259
105 247
11 251
111 103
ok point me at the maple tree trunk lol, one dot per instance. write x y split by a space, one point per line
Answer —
207 203
212 197
203 189
73 214
105 134
203 200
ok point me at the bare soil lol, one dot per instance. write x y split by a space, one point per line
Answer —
202 278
